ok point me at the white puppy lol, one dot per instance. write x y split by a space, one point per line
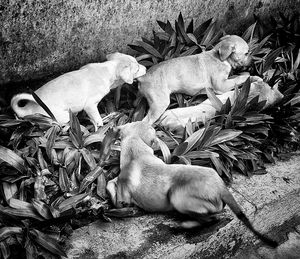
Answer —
147 182
176 119
192 74
81 90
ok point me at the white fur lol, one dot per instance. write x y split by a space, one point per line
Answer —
81 89
193 74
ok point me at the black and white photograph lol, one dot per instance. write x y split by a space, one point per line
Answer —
149 129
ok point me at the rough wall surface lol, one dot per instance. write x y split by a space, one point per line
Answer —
39 38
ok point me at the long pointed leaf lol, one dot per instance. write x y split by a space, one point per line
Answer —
90 177
226 135
6 232
165 151
12 159
47 242
215 101
75 130
149 49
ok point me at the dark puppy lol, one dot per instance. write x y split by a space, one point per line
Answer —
147 182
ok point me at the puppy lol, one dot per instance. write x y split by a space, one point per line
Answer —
147 182
82 89
176 119
192 74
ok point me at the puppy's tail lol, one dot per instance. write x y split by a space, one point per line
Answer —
233 205
24 104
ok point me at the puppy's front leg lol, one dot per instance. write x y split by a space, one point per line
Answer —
119 192
111 188
223 85
93 113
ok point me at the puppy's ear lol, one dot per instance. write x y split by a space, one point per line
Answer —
225 49
126 74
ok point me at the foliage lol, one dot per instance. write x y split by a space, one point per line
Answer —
176 42
49 175
276 54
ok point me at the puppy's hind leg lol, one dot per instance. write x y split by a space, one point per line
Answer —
158 102
93 113
199 209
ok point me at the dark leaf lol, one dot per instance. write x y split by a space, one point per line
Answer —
31 249
124 212
190 51
215 101
184 160
71 202
202 28
108 140
180 149
9 190
42 208
47 242
200 154
149 49
75 131
270 58
190 27
165 151
51 140
12 159
6 232
225 135
88 157
23 212
90 177
101 186
5 250
64 181
161 24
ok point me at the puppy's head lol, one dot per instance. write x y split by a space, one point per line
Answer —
127 67
139 129
265 93
235 50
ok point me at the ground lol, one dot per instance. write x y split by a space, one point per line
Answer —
271 201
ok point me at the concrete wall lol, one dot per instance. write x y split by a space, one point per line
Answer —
40 38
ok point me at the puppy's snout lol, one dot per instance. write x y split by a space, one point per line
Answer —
141 71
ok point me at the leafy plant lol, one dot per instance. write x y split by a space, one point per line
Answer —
231 140
48 176
180 40
276 54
